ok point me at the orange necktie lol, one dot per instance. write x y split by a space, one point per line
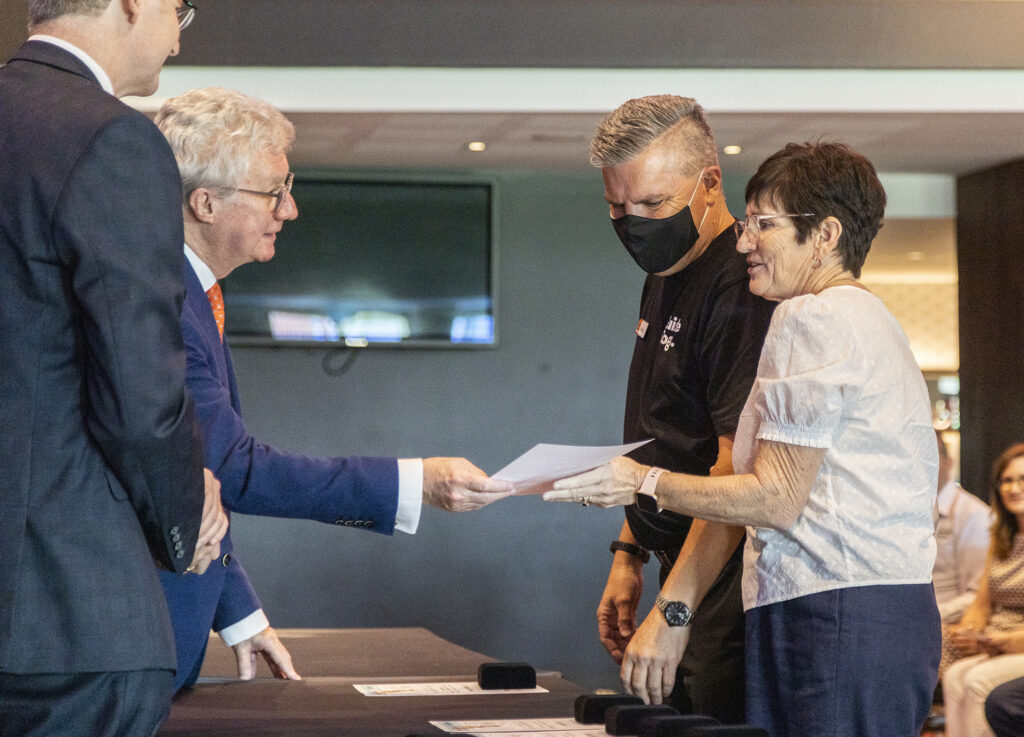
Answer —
216 298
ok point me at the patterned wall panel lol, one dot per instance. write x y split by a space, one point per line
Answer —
929 316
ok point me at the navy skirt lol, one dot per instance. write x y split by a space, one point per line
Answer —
851 662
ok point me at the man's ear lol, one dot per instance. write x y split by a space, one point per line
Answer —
133 9
712 179
202 203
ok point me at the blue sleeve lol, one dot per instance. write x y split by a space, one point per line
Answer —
237 597
258 479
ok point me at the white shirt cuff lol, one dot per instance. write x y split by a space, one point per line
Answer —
410 494
245 628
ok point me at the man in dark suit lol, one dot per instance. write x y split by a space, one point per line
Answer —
231 150
101 463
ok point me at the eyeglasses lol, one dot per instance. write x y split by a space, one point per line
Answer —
1008 483
186 14
280 193
754 225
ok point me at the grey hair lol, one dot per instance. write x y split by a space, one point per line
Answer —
216 134
638 123
40 11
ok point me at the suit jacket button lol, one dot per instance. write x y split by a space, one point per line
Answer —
226 559
175 537
177 545
180 554
358 523
369 524
174 530
339 521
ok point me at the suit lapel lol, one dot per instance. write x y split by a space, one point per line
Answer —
206 325
204 322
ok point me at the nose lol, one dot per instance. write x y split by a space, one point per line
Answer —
289 210
745 244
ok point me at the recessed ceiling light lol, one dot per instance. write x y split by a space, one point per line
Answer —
915 256
732 150
476 145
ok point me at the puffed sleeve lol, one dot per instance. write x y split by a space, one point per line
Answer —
811 367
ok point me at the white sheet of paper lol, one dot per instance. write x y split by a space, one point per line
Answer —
581 732
455 688
536 470
511 727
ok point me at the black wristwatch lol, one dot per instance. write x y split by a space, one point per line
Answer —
635 550
677 614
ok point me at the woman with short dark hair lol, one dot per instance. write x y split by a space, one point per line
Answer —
836 465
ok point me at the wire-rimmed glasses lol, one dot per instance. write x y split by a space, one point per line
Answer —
186 14
753 225
278 193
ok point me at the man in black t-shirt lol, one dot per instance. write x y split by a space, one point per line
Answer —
698 342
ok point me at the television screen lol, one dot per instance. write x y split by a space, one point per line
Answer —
373 262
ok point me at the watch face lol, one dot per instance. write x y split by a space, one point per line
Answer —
677 614
647 503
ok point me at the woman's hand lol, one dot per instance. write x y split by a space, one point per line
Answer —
1000 643
965 639
612 485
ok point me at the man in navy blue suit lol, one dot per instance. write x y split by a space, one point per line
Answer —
232 153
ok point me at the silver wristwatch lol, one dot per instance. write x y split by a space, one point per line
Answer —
677 614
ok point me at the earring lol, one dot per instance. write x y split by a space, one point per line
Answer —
816 263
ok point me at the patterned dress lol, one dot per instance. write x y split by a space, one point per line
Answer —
1006 593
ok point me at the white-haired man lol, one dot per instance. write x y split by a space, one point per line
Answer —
232 153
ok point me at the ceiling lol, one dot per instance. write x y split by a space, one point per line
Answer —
940 143
934 87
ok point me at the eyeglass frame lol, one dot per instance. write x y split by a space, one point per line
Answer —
741 227
186 14
1009 483
278 193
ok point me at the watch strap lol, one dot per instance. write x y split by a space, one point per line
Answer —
635 550
649 485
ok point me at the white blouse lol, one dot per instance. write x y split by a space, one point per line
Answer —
837 373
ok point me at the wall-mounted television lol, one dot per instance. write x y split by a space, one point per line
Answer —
382 260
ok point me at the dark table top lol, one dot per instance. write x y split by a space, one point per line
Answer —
325 702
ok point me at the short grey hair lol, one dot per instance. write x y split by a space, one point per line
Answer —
216 134
40 11
638 123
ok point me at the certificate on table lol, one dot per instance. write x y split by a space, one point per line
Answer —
452 688
581 732
555 727
536 470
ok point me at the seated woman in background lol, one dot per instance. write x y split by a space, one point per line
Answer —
836 465
987 648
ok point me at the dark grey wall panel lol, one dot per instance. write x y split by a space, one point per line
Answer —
521 579
990 240
596 33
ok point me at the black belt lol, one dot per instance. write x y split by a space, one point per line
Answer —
667 558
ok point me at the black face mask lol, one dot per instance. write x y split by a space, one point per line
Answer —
658 244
